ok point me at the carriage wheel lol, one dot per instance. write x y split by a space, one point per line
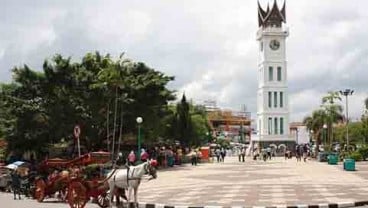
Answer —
77 195
40 190
63 194
103 200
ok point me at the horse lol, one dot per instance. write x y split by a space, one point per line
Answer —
130 178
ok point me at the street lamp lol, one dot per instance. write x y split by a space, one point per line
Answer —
139 121
324 135
346 93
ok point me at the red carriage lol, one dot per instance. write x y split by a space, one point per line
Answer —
48 186
74 184
81 189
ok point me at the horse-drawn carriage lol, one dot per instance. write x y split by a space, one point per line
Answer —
83 178
73 183
46 186
84 186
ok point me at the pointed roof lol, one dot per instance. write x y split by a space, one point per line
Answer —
273 17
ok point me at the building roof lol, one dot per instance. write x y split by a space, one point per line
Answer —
271 17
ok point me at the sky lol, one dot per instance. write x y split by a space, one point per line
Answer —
208 45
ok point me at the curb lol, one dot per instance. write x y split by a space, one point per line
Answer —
327 205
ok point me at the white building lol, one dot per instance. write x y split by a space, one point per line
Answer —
272 95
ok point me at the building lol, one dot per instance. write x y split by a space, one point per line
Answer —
300 133
232 125
272 94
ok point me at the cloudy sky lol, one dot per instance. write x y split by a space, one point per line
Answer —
208 45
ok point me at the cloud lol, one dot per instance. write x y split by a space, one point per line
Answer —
208 45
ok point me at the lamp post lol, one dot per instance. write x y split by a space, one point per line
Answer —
346 93
324 135
139 121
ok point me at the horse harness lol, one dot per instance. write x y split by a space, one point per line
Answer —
132 178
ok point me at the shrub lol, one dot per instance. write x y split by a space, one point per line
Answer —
364 152
356 156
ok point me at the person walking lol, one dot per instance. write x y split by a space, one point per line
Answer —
16 184
170 158
238 152
298 153
305 152
223 154
242 153
268 153
193 156
144 155
131 158
218 154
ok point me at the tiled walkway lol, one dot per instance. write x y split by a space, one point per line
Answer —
256 183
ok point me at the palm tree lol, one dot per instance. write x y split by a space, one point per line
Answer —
315 122
334 112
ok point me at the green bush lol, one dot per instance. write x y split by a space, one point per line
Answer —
364 152
356 156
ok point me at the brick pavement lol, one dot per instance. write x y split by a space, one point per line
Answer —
256 183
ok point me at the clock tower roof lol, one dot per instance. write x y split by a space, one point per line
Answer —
271 17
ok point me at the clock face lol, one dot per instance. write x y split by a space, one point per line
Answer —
274 44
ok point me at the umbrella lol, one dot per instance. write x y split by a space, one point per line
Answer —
18 163
11 166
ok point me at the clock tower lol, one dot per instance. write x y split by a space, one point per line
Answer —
272 94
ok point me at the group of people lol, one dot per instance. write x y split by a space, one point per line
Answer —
301 150
219 153
166 156
132 158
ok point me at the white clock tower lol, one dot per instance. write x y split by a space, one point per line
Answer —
272 95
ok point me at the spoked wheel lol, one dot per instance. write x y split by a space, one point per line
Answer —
63 194
103 200
77 195
39 193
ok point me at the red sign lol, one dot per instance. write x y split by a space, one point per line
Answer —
77 131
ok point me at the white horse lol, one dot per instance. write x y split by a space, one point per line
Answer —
130 178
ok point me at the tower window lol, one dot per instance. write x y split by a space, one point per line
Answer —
276 125
261 45
275 99
259 126
270 99
281 125
279 73
281 99
269 126
270 73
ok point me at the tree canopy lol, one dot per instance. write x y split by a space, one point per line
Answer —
41 107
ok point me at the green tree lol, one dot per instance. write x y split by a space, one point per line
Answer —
333 112
364 120
183 122
315 122
46 105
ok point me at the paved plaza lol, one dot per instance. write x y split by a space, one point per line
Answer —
277 182
257 183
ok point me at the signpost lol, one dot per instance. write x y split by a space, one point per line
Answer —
77 132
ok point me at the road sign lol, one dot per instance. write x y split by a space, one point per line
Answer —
77 131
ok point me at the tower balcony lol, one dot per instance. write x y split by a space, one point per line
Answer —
272 31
